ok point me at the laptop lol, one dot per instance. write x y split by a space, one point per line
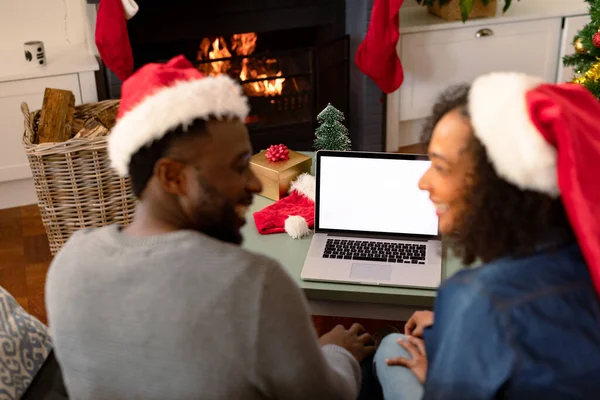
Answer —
373 225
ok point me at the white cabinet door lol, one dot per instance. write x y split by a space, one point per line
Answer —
434 60
13 162
572 25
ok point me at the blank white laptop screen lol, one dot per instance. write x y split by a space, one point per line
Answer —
375 195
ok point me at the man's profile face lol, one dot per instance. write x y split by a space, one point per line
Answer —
219 182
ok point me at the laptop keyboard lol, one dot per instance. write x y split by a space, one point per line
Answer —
375 251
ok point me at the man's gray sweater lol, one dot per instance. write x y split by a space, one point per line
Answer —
184 316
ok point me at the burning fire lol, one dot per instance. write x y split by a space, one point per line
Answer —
243 44
219 50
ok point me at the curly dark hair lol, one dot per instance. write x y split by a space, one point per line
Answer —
500 219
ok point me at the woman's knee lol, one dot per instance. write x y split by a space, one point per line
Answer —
397 382
389 348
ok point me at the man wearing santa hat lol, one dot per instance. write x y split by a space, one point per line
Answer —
171 307
515 180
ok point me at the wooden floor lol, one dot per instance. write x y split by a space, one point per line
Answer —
24 257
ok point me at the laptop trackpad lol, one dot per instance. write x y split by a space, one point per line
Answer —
371 272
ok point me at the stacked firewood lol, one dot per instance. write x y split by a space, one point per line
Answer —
59 122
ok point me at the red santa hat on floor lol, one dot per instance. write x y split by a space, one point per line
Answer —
294 214
545 138
161 97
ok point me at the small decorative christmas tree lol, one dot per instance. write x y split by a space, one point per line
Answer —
586 60
331 133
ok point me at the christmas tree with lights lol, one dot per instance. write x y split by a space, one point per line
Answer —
331 133
586 59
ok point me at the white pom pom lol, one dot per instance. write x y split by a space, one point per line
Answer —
296 226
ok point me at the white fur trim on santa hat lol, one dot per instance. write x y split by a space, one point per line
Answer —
171 107
296 226
306 185
500 119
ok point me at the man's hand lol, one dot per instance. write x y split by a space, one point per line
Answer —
417 323
418 361
359 343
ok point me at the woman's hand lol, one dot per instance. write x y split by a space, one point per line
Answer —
418 361
417 323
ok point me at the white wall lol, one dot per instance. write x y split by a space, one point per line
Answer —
57 23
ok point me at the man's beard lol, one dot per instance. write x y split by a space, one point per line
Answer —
222 225
218 218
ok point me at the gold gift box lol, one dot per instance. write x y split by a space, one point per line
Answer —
276 177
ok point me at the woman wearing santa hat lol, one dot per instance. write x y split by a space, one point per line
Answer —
515 180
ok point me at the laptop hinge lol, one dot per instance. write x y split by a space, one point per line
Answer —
378 236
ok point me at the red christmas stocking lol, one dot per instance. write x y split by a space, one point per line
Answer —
377 56
112 38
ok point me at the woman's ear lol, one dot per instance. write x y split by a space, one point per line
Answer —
470 174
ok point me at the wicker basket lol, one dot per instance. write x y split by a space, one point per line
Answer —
75 185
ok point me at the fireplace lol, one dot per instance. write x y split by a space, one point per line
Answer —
291 57
160 30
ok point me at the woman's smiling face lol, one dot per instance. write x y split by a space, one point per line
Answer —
447 179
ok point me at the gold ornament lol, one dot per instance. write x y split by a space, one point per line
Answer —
579 46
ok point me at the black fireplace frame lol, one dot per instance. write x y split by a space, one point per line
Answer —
157 24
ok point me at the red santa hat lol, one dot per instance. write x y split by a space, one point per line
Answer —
161 97
546 138
294 214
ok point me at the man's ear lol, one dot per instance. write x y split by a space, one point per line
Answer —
170 175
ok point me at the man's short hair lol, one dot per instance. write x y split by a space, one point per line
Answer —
141 166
